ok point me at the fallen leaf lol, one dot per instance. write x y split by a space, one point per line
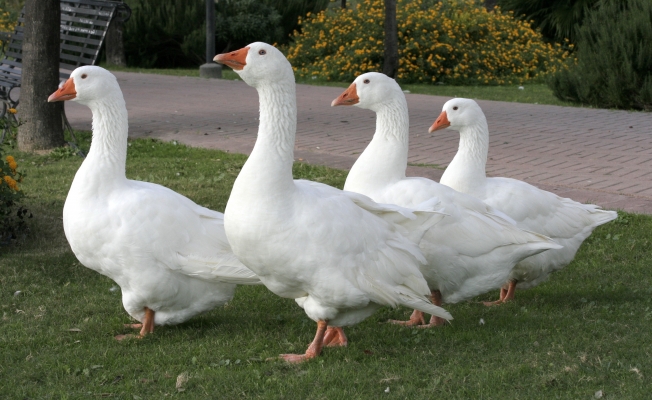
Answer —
182 379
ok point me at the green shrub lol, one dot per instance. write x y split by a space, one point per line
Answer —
12 215
240 22
172 33
558 20
165 33
291 10
457 42
614 58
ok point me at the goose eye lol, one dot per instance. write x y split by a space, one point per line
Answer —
366 81
455 108
262 52
84 76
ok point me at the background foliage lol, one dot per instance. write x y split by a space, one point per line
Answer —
172 33
558 20
614 67
12 214
456 42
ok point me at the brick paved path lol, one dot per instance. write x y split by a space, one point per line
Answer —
598 156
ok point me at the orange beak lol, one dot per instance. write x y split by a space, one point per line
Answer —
441 123
65 92
235 59
348 98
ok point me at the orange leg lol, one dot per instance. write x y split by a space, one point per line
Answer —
313 350
416 318
506 294
146 327
510 291
435 297
335 337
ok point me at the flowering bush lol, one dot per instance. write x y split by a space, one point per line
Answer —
456 42
12 216
7 23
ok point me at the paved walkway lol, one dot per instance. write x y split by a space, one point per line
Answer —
598 156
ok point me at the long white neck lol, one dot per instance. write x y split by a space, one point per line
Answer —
270 162
105 162
384 160
466 173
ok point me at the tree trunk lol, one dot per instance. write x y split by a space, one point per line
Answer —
42 126
390 61
115 49
343 3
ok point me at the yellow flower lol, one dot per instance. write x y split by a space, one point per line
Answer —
12 111
11 182
12 163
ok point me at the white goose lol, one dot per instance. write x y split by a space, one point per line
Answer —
339 254
169 256
564 220
473 249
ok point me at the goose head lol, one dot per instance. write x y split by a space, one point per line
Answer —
370 91
458 114
87 84
258 63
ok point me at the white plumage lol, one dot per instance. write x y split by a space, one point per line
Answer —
566 221
167 254
473 249
340 254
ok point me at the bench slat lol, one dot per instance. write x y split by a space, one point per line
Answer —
18 56
79 39
9 75
19 35
10 72
76 59
95 12
79 49
13 63
67 66
80 29
8 85
88 21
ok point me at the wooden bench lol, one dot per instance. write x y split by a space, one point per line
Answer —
83 27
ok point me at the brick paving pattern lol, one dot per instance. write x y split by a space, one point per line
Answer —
591 155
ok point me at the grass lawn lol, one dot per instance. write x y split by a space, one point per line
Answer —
531 93
588 329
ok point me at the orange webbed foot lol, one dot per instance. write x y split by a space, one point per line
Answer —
417 318
335 337
313 350
434 322
146 327
506 294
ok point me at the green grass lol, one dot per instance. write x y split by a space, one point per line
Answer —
531 93
589 328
